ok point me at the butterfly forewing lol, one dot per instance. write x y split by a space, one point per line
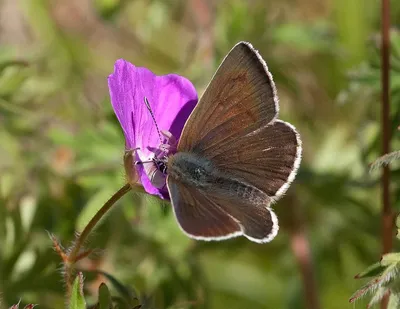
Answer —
241 94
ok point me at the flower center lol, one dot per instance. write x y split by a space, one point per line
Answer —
156 167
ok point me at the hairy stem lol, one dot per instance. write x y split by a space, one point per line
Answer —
75 252
93 222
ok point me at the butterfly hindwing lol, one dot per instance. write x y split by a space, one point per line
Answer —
198 217
216 216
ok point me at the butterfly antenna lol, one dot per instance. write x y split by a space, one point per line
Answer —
152 116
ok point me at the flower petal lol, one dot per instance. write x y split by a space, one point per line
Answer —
171 97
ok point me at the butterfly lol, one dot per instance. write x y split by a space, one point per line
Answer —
234 157
228 163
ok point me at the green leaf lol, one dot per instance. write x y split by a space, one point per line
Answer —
372 271
385 160
11 80
367 288
378 295
390 258
120 303
104 297
77 300
394 301
11 63
129 294
107 8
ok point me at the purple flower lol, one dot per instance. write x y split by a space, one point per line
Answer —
171 99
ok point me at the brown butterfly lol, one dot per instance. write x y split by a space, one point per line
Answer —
234 157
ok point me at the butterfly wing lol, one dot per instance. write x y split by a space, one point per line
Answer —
207 216
235 126
241 96
267 158
199 217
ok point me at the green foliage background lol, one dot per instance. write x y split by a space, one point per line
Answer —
61 147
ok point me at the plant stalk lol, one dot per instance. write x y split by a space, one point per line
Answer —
93 222
75 253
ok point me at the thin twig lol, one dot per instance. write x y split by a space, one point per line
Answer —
387 216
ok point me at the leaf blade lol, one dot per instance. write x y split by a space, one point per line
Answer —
77 300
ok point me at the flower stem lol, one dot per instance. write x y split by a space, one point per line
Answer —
93 222
72 256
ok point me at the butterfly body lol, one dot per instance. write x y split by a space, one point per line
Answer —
191 169
200 173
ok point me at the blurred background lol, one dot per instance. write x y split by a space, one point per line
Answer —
61 149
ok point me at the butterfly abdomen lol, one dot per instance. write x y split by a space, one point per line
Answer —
236 189
199 172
